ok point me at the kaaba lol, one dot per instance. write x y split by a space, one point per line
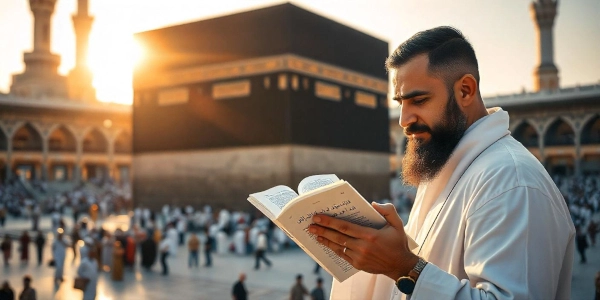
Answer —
232 105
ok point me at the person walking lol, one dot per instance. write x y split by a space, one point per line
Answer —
298 290
108 244
261 248
193 247
88 269
24 246
318 293
2 215
581 242
117 261
6 292
6 248
75 238
239 292
40 241
209 245
148 249
164 248
59 251
28 292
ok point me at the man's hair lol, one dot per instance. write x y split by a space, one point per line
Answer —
299 276
451 56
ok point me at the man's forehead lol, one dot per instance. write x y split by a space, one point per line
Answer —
413 75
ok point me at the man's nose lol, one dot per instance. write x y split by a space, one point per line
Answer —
407 116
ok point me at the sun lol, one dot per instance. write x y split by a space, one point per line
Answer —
113 55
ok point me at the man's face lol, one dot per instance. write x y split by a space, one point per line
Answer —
431 118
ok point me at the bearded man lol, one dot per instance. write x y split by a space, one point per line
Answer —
490 222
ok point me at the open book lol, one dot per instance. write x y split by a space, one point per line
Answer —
319 194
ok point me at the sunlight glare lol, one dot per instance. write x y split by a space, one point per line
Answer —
112 58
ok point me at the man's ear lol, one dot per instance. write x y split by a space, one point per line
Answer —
466 90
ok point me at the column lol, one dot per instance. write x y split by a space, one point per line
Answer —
77 167
45 158
9 162
111 158
578 152
541 147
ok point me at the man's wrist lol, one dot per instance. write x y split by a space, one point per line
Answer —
405 268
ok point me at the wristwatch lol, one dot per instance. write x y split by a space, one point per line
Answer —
406 284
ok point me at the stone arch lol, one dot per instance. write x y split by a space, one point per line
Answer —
94 141
527 134
123 142
27 138
590 134
3 141
559 133
61 139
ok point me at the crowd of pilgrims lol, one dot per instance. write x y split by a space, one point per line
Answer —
159 235
582 195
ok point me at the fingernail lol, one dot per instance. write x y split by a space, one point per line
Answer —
320 239
312 230
317 219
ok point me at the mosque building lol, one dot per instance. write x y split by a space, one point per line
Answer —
52 127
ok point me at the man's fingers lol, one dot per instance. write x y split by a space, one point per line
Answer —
342 251
388 211
342 226
332 236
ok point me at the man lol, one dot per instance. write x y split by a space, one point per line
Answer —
6 292
261 248
148 252
490 222
209 244
193 247
28 292
40 241
164 247
318 293
239 291
6 248
88 268
59 251
298 290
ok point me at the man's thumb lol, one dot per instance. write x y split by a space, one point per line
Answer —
388 211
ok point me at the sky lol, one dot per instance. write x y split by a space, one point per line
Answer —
502 34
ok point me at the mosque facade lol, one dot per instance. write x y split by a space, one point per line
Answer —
52 127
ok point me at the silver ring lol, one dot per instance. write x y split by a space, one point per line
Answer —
345 248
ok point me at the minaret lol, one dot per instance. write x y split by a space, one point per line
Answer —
80 78
41 78
545 75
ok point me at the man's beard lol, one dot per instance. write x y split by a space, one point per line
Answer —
423 160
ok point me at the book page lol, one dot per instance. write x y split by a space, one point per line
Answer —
272 201
316 181
340 201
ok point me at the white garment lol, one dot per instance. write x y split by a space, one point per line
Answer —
59 251
89 269
173 238
239 240
222 242
261 241
504 233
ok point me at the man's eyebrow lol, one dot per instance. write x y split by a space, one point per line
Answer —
410 95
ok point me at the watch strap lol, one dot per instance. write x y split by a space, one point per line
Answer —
416 271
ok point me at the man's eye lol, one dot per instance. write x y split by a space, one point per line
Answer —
419 100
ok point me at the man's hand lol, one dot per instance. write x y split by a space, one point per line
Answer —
377 251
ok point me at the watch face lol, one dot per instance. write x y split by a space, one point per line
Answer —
406 285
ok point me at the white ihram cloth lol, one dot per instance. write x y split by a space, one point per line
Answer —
504 233
88 268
